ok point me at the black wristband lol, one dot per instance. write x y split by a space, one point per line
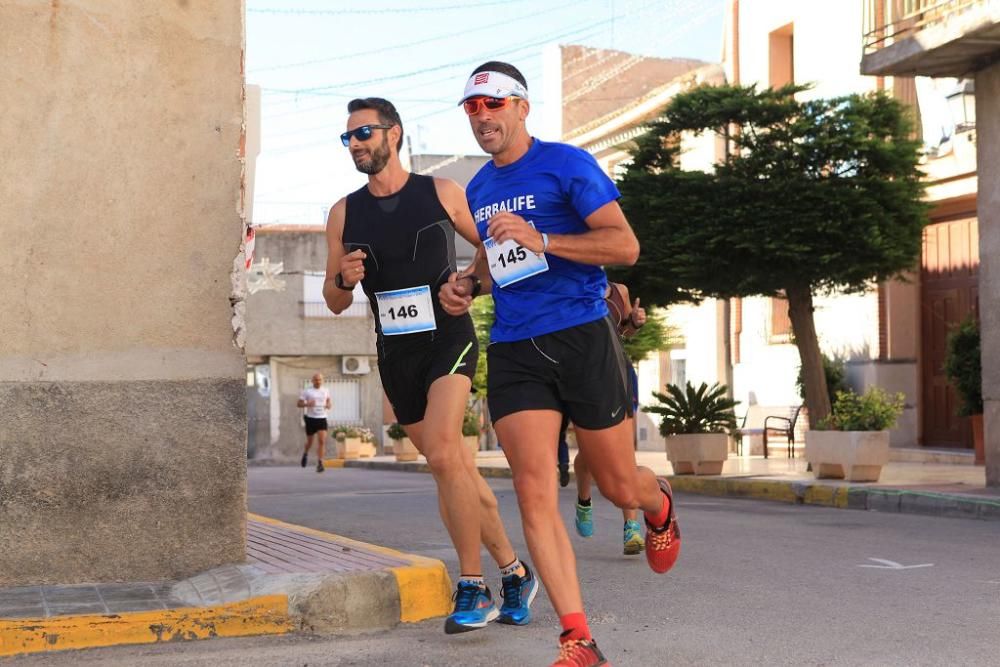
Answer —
339 282
477 284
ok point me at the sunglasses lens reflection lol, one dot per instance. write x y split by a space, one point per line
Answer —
363 133
476 104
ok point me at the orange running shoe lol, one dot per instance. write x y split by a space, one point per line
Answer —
663 543
579 653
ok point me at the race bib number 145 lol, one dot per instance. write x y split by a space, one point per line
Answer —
510 262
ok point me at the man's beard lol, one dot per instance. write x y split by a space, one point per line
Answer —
379 158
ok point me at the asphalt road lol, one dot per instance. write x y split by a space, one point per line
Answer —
757 583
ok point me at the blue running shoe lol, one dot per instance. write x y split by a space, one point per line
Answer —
584 520
474 608
634 544
518 594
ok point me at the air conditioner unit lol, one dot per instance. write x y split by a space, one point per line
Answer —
356 366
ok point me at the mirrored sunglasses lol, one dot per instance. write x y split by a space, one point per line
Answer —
474 105
363 133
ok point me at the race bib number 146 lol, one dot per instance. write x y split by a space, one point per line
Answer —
406 311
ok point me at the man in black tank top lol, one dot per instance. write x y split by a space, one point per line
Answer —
396 237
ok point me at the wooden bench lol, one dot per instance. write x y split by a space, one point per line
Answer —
764 420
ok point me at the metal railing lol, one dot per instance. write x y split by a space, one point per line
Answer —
888 21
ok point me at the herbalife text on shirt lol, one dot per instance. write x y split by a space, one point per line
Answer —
512 204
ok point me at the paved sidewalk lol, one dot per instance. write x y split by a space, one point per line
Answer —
294 578
938 489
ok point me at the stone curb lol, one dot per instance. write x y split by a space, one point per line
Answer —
798 492
334 603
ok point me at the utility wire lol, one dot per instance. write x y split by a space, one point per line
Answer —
420 42
322 90
295 11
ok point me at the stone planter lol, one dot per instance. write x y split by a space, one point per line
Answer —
855 456
404 450
349 448
698 453
472 442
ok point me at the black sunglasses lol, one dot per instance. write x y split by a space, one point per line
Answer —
363 133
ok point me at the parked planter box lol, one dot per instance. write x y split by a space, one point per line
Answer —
404 450
855 456
349 448
472 442
698 453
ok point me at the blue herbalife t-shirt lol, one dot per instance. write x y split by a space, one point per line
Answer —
554 186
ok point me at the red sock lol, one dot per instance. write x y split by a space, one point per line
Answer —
659 519
575 627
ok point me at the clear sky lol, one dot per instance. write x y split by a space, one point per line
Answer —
312 56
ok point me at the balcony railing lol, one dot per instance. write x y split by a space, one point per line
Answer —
888 21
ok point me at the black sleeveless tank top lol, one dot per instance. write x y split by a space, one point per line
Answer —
409 240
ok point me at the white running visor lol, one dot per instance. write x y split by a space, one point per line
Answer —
493 84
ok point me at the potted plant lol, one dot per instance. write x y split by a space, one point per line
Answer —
402 447
367 448
470 430
348 439
853 442
696 424
963 366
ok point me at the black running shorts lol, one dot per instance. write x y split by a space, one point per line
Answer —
579 371
315 424
409 369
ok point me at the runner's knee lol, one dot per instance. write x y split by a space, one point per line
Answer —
535 495
444 459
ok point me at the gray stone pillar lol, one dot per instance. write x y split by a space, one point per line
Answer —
988 158
122 388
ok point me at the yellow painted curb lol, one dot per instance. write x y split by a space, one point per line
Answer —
829 496
333 463
714 486
424 585
424 592
256 616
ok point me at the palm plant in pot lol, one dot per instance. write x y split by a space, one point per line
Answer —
963 366
853 442
696 423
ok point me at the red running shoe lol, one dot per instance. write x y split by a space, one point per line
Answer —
663 543
579 653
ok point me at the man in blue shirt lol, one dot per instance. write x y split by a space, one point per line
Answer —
549 220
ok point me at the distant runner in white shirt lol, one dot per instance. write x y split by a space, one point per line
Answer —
316 401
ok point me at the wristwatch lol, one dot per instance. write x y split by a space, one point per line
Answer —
339 282
477 284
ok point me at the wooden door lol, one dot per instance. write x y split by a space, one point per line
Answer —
949 282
